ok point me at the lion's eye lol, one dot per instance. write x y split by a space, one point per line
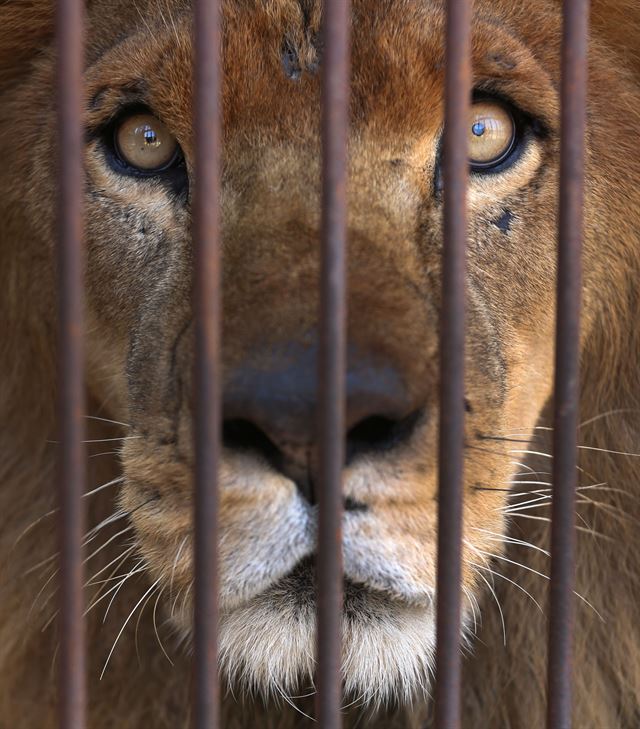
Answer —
492 134
144 143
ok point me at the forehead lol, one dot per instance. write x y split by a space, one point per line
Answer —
273 62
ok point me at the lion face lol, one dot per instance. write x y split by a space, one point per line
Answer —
139 159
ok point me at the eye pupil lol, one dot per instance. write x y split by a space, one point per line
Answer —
478 128
150 137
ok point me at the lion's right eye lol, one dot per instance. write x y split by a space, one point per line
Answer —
144 143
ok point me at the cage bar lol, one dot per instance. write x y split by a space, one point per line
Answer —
207 393
452 332
71 398
567 374
332 356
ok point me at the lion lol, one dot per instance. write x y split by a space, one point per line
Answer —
139 157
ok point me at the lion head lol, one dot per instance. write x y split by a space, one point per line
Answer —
139 160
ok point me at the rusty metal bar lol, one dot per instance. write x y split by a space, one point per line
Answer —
207 394
71 397
332 358
567 369
452 332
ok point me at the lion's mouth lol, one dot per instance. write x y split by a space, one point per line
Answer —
300 585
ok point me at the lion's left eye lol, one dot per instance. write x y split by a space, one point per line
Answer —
492 134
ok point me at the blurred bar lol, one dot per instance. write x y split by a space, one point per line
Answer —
71 396
332 358
207 308
565 434
452 331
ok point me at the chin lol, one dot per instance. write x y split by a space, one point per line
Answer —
268 644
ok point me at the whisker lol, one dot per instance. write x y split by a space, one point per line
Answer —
491 555
112 440
532 453
513 582
92 580
135 635
116 516
287 699
512 540
175 602
591 531
491 588
609 451
117 588
26 530
531 483
175 563
155 627
535 472
115 481
106 544
40 591
137 568
495 597
540 574
542 500
473 604
126 622
51 512
607 414
108 420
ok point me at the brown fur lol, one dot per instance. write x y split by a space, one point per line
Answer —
140 353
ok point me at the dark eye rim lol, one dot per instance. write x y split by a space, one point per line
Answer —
477 166
528 128
115 157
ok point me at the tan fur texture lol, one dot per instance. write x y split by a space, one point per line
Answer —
140 357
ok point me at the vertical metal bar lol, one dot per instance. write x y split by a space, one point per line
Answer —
332 358
452 332
565 438
207 305
71 404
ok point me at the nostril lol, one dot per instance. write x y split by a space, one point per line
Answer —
243 435
379 433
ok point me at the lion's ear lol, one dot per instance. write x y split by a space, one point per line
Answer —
618 23
25 27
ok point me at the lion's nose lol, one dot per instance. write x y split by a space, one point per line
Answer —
272 412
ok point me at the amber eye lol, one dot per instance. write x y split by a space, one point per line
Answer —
145 143
492 134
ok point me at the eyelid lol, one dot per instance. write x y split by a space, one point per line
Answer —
106 120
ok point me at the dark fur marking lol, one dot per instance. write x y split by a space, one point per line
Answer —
504 221
352 505
502 61
176 390
291 61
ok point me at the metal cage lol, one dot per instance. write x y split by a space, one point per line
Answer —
335 126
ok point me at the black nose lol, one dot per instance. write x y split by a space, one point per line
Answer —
272 411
